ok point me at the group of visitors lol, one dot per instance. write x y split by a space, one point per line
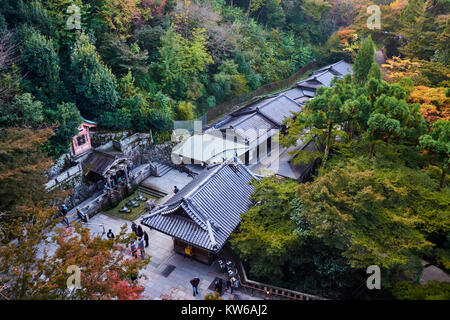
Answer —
218 285
116 181
141 243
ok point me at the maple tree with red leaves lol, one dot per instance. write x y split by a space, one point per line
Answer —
29 267
105 265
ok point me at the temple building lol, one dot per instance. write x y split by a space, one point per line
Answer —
237 148
201 217
81 143
252 131
106 167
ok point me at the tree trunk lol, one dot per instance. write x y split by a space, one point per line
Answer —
350 131
372 148
259 13
231 3
441 185
327 146
248 10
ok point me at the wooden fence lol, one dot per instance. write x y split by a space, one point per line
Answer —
230 105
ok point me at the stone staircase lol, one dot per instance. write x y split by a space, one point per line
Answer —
161 169
151 192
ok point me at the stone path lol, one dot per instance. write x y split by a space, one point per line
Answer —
379 57
168 181
161 254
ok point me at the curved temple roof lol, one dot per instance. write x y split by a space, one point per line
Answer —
207 210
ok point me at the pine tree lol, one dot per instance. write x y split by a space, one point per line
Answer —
437 141
364 60
95 85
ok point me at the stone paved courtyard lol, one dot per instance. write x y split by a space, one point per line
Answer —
162 254
161 251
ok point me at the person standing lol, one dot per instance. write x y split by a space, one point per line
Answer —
141 248
64 211
175 189
133 227
146 238
139 231
218 286
194 282
229 286
110 234
133 249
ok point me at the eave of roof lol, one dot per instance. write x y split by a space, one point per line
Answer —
210 223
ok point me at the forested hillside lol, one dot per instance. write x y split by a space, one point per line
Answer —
140 64
380 196
381 193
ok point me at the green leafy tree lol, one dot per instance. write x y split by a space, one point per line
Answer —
40 64
374 72
364 214
66 119
364 60
228 82
437 141
266 232
185 110
94 84
433 290
391 117
24 110
181 62
320 117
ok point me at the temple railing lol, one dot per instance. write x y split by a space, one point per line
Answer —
270 291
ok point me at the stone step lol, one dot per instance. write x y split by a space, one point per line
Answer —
151 192
162 169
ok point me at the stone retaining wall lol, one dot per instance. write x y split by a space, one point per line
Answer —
64 177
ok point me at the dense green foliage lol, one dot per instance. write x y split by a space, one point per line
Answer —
177 59
381 195
385 206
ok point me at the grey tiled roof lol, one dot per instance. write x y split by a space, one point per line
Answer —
207 210
274 109
250 126
323 76
99 161
294 93
260 117
283 166
340 67
279 109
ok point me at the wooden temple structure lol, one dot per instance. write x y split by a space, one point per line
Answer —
201 217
